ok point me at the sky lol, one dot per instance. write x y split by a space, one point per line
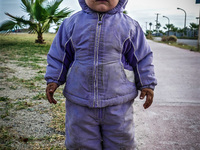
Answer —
144 11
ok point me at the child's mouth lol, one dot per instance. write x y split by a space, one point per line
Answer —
102 0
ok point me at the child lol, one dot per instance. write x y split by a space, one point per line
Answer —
104 58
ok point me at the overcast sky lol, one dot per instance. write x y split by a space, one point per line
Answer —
141 10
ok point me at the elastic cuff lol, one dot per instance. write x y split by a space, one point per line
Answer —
54 81
147 86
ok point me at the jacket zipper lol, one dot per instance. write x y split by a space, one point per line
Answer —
96 51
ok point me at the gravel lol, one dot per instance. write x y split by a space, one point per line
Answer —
31 122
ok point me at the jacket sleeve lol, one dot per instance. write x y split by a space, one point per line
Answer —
140 58
60 56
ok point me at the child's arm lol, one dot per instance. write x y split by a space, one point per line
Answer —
140 57
59 58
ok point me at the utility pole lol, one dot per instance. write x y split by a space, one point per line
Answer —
157 23
198 43
146 26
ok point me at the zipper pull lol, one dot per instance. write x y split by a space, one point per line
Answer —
100 19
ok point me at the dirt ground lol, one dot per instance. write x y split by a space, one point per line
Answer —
25 113
26 116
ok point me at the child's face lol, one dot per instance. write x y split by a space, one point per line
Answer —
102 5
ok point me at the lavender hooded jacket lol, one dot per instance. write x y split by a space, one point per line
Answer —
103 58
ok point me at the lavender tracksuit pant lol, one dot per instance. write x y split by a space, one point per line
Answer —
108 128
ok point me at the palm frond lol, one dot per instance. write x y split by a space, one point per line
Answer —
46 26
53 6
26 5
7 25
42 1
19 20
39 13
62 14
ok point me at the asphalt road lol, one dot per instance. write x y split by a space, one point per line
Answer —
173 121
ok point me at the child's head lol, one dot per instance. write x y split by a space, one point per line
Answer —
101 5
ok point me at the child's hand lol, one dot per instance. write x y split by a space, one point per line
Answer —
149 97
50 89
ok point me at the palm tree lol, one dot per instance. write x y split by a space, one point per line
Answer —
194 27
158 25
168 27
174 29
41 16
150 24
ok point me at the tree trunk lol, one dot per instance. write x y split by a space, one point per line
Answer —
40 39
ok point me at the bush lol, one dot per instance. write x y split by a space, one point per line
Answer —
170 38
164 39
149 36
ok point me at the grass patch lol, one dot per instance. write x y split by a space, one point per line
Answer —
33 65
39 96
39 77
180 45
30 84
58 113
185 46
13 87
23 45
30 61
35 59
6 109
22 49
9 139
6 138
51 142
4 99
8 106
5 70
42 71
19 105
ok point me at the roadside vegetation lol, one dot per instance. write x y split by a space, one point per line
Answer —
22 96
172 40
172 33
181 45
42 14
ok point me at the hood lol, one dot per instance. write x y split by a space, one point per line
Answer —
120 6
